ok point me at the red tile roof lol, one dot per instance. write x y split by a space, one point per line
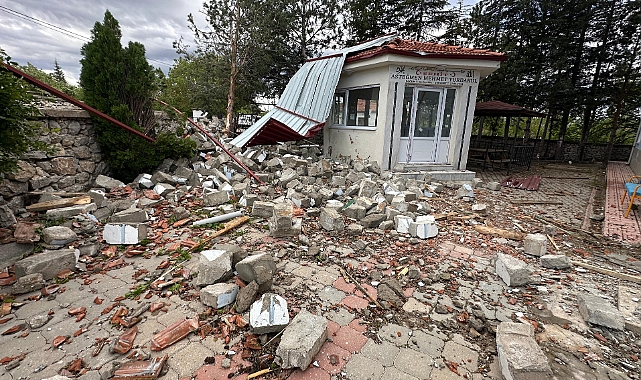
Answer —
426 49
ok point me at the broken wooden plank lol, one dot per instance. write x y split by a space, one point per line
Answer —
533 202
228 227
513 235
59 203
622 276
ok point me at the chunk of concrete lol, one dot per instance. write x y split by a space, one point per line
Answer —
302 340
269 314
130 215
331 220
12 252
373 220
354 229
355 211
512 271
535 244
555 262
520 357
479 208
28 283
402 223
282 222
423 230
47 263
629 303
58 235
124 233
246 296
68 212
464 191
263 209
214 266
600 312
162 177
145 181
494 186
163 189
367 188
219 295
260 268
107 182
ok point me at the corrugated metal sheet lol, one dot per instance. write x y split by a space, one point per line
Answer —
305 103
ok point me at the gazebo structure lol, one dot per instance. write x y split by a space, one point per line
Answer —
495 108
503 153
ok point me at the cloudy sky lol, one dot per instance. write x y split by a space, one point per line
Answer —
154 23
29 29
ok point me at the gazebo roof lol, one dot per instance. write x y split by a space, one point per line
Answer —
498 108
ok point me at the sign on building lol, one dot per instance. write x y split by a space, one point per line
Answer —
432 75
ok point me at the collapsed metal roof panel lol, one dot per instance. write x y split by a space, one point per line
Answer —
306 101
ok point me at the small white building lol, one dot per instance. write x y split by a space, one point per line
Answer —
388 100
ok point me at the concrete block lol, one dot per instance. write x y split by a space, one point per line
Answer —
219 295
260 268
423 230
302 340
402 223
28 283
124 233
162 177
263 209
301 200
512 271
245 297
373 220
365 202
248 200
294 230
535 244
282 216
555 262
130 215
367 188
214 266
338 181
68 212
58 235
269 314
355 211
145 182
464 191
287 176
98 197
354 229
479 208
163 189
331 220
215 198
107 182
520 357
494 186
12 252
600 312
48 263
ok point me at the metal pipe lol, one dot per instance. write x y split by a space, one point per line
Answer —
212 138
219 218
74 101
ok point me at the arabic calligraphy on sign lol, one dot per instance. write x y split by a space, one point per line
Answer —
432 75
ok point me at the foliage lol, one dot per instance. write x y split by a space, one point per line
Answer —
119 82
18 130
54 80
578 61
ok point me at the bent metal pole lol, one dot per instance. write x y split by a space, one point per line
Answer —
212 138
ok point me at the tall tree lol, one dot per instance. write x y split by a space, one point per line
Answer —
239 31
119 82
58 74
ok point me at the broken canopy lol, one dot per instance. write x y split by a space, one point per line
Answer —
305 104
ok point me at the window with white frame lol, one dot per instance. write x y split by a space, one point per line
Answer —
355 108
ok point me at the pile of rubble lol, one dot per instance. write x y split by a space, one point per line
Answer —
324 269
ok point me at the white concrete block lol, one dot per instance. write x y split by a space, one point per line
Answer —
125 233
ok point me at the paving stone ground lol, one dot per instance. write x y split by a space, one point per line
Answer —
354 350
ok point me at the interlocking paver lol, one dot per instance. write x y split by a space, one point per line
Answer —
311 373
190 358
354 302
461 355
360 367
414 363
332 358
385 352
350 339
340 316
426 343
399 335
393 373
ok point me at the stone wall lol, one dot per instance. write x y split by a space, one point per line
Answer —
73 167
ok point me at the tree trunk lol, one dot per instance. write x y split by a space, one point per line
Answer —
233 74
